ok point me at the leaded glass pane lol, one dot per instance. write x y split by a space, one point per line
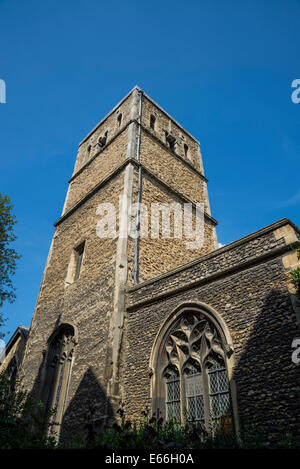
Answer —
218 391
173 410
195 408
214 385
194 385
220 405
173 390
223 381
194 393
173 397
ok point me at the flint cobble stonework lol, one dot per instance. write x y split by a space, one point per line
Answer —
163 123
85 303
172 170
98 169
224 258
157 254
108 316
255 304
108 163
111 125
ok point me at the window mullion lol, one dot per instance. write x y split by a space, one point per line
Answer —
207 416
183 403
194 397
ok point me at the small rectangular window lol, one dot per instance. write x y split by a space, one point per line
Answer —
78 255
152 121
186 150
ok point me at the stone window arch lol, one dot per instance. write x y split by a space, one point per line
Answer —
59 360
191 366
11 373
12 370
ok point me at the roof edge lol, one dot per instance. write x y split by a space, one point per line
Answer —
136 87
273 226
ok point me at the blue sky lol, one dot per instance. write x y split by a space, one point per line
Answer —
222 69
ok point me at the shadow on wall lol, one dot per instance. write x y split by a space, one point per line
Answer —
267 380
89 406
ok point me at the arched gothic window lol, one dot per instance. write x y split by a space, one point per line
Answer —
190 372
58 372
12 370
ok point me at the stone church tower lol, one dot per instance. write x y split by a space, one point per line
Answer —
135 307
138 155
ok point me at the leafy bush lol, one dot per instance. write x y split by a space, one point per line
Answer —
154 433
23 424
147 433
295 275
22 421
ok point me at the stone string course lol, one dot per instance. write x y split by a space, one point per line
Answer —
205 266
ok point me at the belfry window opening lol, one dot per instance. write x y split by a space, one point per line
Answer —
79 256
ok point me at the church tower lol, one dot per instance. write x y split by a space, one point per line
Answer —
136 160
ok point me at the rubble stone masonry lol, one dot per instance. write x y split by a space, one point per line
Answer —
247 284
141 153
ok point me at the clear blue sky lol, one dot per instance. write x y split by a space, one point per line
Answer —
223 69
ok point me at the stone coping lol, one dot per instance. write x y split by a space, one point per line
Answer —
152 101
267 229
156 139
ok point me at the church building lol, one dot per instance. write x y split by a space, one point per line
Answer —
139 305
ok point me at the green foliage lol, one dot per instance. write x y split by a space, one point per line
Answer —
22 422
295 275
154 433
295 278
144 433
149 435
8 256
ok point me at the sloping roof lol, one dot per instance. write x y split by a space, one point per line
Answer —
22 332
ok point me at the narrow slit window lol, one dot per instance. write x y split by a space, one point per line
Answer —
152 121
119 119
79 256
186 150
171 141
102 139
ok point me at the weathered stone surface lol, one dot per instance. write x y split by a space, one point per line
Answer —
94 304
255 304
115 322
